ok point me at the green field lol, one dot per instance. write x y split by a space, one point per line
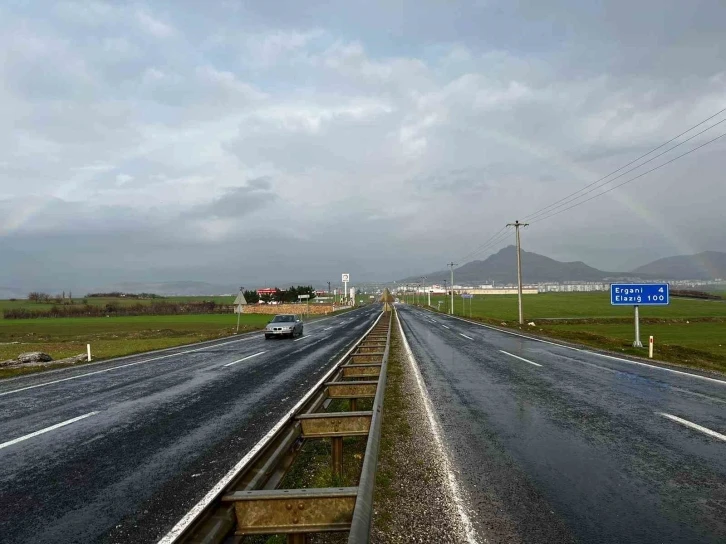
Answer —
687 332
578 305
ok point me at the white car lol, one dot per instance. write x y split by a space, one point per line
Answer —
284 325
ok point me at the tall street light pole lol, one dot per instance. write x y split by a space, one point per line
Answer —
516 226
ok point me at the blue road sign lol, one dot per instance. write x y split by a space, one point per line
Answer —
639 294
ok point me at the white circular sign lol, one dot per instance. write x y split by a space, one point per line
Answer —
346 278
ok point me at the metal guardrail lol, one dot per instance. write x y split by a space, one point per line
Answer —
252 504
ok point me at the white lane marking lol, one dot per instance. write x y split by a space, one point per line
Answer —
118 367
444 326
245 358
694 426
304 338
47 429
465 336
712 380
218 488
456 493
520 358
327 328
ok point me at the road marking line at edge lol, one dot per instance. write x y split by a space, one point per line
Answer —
694 426
520 358
465 336
47 429
118 367
534 339
468 527
218 488
245 358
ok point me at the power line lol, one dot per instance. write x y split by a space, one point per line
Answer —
536 216
486 242
570 197
629 180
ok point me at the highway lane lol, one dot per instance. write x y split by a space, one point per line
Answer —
556 444
118 451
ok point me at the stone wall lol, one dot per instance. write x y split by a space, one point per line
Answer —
315 309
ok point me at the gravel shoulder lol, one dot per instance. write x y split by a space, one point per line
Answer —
414 501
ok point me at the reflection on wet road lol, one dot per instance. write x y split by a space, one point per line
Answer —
557 444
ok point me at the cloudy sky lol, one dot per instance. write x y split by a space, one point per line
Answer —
256 142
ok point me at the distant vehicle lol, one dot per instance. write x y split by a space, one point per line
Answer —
284 325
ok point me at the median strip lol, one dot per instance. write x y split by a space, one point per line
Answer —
693 426
47 429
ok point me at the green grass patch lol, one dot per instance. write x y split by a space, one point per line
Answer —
696 344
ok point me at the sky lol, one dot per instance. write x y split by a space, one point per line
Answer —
286 141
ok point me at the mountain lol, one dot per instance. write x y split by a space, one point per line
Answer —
502 268
708 265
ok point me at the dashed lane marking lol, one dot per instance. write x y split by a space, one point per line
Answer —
520 358
693 426
47 429
245 358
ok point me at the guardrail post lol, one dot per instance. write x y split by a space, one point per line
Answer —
337 455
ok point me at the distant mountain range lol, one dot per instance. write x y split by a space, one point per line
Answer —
501 268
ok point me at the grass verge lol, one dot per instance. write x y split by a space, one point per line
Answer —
395 429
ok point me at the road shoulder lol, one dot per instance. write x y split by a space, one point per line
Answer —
414 499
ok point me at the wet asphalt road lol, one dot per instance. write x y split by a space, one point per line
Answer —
575 449
160 430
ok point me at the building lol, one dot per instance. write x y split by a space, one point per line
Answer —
266 291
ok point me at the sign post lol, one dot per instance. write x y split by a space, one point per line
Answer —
307 298
346 279
636 295
466 296
238 303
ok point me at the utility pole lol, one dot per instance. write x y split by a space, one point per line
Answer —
452 265
516 226
329 293
446 292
